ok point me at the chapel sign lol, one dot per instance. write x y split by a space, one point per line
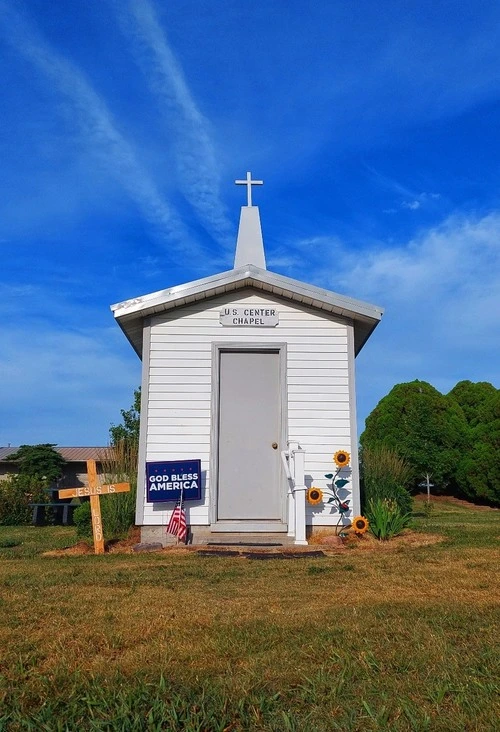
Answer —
261 317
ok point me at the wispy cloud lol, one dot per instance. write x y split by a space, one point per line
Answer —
420 200
195 154
408 198
455 262
437 279
441 294
389 183
97 127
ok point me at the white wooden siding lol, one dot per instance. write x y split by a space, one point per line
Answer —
180 387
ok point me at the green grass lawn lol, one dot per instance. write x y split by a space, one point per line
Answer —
404 638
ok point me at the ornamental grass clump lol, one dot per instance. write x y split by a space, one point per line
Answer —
385 475
119 465
386 518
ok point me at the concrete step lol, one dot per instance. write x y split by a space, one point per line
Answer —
202 536
240 539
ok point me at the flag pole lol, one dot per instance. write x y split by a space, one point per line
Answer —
180 506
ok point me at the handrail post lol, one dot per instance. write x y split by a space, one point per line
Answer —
300 496
290 467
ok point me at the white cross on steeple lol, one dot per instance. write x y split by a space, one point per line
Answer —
249 183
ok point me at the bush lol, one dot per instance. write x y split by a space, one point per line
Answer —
16 493
385 475
83 521
478 472
117 513
425 426
386 518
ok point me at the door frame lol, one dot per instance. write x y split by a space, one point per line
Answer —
239 347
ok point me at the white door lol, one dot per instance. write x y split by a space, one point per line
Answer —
250 487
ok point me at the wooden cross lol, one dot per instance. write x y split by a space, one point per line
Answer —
248 182
94 490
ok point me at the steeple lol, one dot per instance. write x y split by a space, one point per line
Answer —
249 244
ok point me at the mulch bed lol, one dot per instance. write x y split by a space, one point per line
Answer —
367 542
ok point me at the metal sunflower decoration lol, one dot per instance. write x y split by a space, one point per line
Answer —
341 458
360 525
314 496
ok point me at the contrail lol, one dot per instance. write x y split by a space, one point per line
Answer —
97 127
194 150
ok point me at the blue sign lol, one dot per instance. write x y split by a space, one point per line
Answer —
166 481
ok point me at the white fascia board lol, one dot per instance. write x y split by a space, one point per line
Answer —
220 283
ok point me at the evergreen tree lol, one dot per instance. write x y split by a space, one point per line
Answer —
423 426
41 462
478 472
473 397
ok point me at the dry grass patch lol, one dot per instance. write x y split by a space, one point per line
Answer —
408 538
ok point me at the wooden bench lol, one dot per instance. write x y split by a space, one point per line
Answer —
63 513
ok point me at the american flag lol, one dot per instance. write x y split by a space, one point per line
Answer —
177 524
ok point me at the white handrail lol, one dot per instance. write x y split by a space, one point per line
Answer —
294 463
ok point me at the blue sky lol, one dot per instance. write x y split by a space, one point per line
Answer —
375 127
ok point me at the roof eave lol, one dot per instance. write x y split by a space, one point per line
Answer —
131 313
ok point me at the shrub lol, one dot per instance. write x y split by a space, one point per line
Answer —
428 428
386 518
83 521
16 493
385 475
478 472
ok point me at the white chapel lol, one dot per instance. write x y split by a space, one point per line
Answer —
248 391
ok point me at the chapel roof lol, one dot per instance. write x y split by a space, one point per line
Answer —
130 314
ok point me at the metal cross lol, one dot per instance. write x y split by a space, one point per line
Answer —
249 183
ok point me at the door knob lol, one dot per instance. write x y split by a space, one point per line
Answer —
274 445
